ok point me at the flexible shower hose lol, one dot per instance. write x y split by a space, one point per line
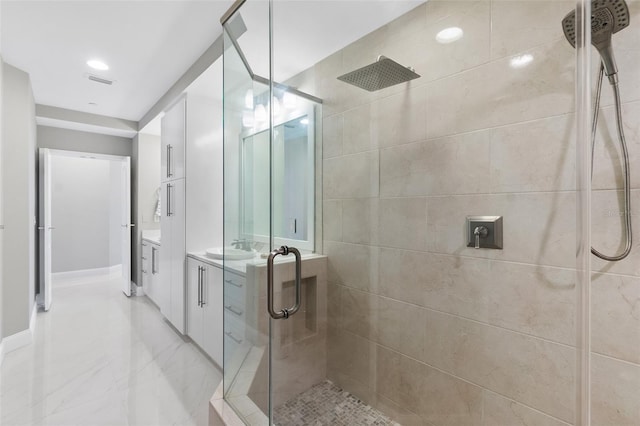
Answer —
625 154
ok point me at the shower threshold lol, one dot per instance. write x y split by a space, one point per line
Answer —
326 404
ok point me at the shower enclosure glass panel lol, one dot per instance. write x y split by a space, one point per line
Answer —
414 326
246 55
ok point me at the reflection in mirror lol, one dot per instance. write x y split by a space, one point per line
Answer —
292 174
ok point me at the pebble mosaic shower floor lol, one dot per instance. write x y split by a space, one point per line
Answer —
326 404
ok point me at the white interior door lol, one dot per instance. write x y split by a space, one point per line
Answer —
45 228
125 183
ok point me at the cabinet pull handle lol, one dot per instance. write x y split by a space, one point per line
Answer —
233 283
144 258
153 260
169 203
236 311
169 161
200 286
144 271
230 334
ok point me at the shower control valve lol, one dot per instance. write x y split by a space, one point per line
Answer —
484 232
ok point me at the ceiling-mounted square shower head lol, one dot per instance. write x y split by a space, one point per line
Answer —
383 73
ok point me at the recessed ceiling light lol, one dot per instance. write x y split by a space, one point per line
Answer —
521 61
449 35
97 65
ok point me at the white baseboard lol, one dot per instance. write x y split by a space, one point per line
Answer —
85 276
86 273
20 339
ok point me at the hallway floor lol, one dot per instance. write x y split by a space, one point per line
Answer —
100 358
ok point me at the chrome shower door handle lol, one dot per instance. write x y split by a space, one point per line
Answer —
286 312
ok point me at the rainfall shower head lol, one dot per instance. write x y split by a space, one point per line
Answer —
607 18
382 73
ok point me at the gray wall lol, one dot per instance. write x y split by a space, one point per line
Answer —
73 140
19 162
84 213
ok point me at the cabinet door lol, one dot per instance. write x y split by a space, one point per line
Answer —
213 314
152 273
145 270
195 288
173 138
178 255
163 289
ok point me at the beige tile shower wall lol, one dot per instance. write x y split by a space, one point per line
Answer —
422 327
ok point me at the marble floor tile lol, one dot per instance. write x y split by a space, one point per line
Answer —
100 358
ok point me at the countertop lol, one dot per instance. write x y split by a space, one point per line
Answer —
153 236
240 266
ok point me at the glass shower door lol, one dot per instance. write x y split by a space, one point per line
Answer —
247 210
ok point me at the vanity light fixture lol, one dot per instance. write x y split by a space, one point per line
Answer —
304 121
521 61
449 35
261 114
97 65
247 118
248 99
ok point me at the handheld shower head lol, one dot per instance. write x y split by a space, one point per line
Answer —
607 18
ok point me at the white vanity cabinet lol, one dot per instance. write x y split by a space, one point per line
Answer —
172 255
173 141
204 307
150 271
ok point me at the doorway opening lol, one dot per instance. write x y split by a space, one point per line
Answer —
85 220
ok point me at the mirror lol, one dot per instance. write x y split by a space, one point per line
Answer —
293 184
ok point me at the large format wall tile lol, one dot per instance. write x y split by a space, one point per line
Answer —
351 176
403 223
615 316
534 156
539 228
352 265
500 411
536 372
608 232
496 94
438 398
517 26
615 386
454 165
608 165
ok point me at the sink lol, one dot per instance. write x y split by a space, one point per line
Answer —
230 253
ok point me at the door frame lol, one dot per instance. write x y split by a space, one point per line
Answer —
45 155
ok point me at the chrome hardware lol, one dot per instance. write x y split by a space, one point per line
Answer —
233 283
144 258
169 161
200 286
480 232
40 228
286 312
230 334
236 311
153 260
203 270
484 232
169 212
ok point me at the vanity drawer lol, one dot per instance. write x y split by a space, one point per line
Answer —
234 308
235 286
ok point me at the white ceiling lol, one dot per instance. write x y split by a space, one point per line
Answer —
149 44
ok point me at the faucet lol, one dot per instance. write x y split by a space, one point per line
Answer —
242 244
